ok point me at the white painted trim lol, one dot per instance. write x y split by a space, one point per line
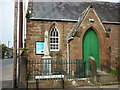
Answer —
109 22
18 27
70 38
23 25
96 16
54 50
68 58
71 20
49 77
99 20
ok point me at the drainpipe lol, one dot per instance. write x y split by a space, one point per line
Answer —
68 58
68 54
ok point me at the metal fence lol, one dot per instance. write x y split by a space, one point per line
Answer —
72 69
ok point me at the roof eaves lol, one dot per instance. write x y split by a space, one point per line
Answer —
49 19
109 22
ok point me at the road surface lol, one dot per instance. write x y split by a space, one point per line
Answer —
6 71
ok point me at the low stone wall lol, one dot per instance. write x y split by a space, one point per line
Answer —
104 79
68 83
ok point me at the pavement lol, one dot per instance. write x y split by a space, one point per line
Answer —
6 73
108 87
102 86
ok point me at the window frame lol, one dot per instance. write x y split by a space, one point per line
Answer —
38 46
54 38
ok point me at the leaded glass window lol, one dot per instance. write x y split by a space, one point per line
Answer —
54 39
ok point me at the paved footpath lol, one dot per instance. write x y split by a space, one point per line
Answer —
106 86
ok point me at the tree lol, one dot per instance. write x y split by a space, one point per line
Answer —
3 48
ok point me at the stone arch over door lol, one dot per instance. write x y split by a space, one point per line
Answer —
79 33
90 47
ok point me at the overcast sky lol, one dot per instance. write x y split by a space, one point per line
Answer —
7 20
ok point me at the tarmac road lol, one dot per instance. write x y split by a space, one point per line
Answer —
6 71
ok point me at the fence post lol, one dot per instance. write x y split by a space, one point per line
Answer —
93 68
37 84
62 83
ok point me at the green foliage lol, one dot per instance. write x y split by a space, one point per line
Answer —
3 49
113 72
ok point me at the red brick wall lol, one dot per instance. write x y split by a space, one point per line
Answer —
76 44
113 43
35 32
36 29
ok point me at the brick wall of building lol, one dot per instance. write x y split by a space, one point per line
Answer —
35 32
113 44
97 26
108 45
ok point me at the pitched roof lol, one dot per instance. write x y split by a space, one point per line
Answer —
72 10
76 25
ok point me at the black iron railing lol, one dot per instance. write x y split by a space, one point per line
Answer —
71 69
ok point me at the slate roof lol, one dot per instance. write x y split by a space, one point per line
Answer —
76 25
72 10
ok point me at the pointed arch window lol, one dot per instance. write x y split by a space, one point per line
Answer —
54 39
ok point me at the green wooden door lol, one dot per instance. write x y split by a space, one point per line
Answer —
90 47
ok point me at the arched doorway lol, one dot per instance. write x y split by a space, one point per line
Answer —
90 47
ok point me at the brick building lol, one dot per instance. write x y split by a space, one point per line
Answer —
76 30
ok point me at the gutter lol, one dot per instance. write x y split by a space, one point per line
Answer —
109 22
49 19
69 39
69 20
